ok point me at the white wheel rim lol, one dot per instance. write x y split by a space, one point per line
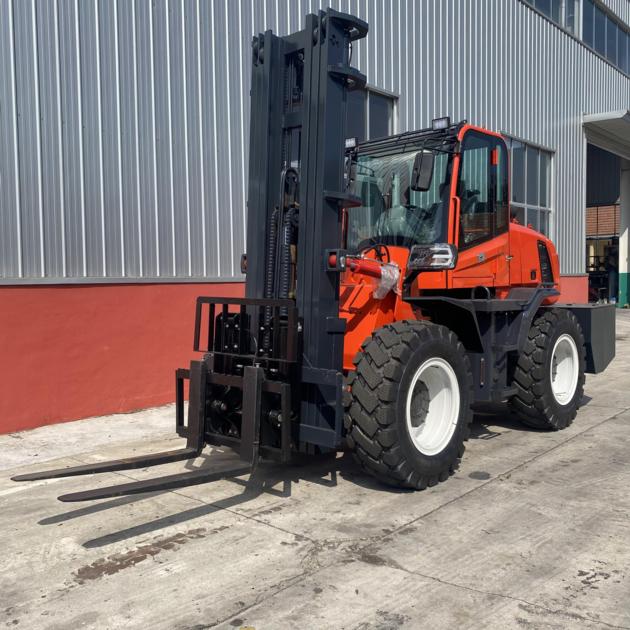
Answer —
432 407
564 369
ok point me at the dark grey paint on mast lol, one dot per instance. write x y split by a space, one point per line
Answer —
311 67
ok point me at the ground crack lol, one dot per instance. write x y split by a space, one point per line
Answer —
525 603
363 555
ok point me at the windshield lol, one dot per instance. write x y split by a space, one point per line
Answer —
391 212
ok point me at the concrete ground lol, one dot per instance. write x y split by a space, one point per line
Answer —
532 531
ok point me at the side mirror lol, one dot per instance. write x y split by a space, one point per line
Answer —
422 170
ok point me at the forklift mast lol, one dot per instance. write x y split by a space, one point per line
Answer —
296 191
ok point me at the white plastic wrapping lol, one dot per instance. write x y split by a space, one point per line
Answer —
388 282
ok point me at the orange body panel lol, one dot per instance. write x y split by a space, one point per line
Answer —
363 312
524 266
486 264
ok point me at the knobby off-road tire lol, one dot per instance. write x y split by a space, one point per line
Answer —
406 374
547 398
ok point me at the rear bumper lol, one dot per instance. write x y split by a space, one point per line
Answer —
598 325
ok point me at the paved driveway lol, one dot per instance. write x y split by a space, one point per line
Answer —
533 531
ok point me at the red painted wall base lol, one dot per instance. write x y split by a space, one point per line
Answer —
73 351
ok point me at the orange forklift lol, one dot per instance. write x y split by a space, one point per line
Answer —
387 291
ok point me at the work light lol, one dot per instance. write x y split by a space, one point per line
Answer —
441 123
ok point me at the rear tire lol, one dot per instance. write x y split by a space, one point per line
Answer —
549 374
408 404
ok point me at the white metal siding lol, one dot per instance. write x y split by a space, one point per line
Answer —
124 124
621 8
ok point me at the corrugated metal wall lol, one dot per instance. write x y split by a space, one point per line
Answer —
124 124
621 8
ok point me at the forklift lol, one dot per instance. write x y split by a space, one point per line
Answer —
387 291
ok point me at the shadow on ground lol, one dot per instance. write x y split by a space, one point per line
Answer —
490 422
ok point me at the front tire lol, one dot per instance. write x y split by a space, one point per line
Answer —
549 375
408 404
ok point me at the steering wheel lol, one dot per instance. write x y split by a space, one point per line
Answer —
379 249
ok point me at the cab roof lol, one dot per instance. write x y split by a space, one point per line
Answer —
444 140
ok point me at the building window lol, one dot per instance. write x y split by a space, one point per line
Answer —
562 12
531 185
604 34
371 114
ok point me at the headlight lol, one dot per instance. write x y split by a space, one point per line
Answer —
432 257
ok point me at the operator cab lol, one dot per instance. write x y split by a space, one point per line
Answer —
437 200
397 209
394 211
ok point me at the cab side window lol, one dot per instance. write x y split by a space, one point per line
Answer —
482 189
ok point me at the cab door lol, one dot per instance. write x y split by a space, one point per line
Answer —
482 234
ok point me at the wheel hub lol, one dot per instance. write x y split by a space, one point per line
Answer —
432 407
419 405
564 369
